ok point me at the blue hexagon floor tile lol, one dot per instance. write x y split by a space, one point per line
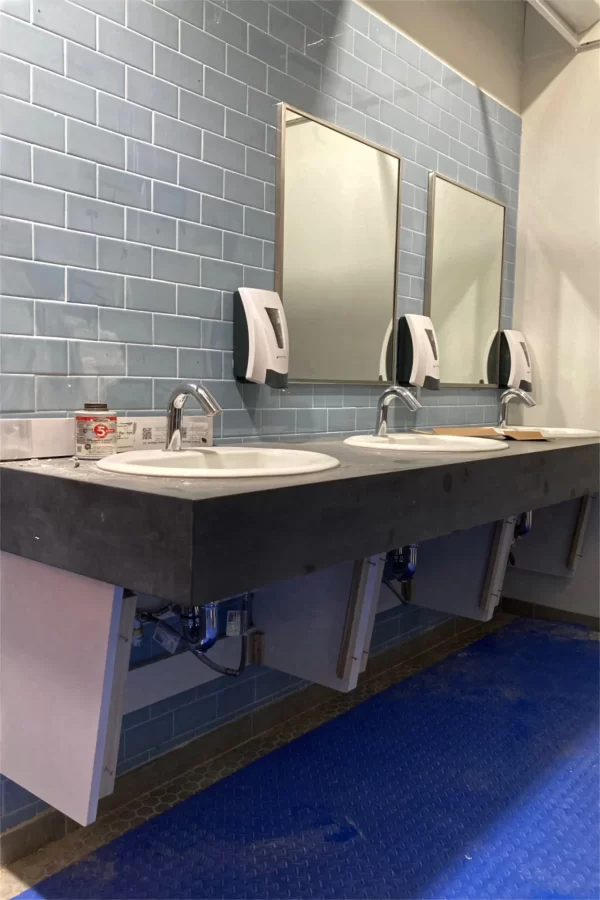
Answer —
476 778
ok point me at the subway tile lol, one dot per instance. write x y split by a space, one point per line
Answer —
17 393
200 302
33 356
406 98
170 265
240 249
93 358
199 239
404 145
245 130
414 219
177 331
224 276
268 255
408 50
64 392
85 214
270 197
119 256
149 228
263 279
200 363
154 162
254 11
178 69
262 106
307 12
177 136
124 45
124 188
55 245
40 204
32 124
365 101
124 117
478 161
154 295
260 165
222 214
244 190
225 90
97 288
415 174
426 156
352 120
223 152
201 176
259 224
188 10
368 51
95 69
15 238
430 65
335 86
126 393
233 699
467 176
229 395
380 84
112 9
66 320
394 67
14 78
304 69
286 29
439 140
176 201
411 264
341 419
30 44
204 47
148 736
311 420
16 315
194 715
150 91
152 22
19 278
239 422
452 81
352 68
202 112
15 159
64 172
94 143
19 8
66 20
447 166
225 26
125 325
246 68
429 112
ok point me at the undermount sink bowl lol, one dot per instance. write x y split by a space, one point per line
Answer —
552 433
426 443
218 462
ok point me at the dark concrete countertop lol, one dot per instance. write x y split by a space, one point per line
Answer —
196 541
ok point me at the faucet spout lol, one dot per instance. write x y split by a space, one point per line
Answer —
517 394
175 410
393 392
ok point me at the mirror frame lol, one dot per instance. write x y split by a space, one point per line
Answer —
280 219
429 265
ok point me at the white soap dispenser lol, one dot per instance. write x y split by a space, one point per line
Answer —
260 338
417 361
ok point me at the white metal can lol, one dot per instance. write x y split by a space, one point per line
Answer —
95 431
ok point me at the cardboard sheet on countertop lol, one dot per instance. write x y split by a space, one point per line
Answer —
489 432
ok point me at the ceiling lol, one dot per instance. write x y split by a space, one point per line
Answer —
579 15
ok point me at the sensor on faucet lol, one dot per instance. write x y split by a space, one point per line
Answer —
175 410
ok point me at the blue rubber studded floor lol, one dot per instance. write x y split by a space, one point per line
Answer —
475 778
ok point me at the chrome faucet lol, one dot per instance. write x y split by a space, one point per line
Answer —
175 410
513 393
393 392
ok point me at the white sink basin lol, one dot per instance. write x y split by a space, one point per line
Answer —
553 433
218 462
426 443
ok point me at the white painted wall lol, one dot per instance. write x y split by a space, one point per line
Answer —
557 294
481 40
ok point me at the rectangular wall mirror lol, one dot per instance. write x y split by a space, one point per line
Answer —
465 244
337 251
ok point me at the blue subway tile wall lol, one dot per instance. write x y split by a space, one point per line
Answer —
138 167
137 155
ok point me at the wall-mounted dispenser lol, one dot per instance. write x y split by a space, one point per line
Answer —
418 359
514 361
260 338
